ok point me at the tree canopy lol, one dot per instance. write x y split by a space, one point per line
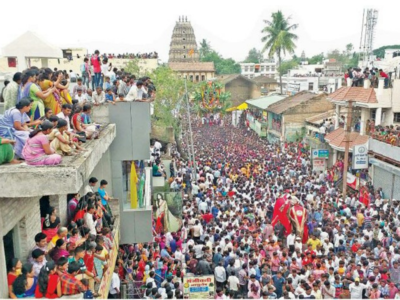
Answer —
222 65
279 38
254 56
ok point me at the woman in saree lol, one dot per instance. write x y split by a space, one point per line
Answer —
25 284
52 101
14 124
37 150
7 151
62 85
161 214
31 90
51 223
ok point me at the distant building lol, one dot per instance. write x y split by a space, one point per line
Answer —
240 87
252 70
266 84
184 56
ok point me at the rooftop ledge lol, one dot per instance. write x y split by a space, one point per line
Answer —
68 177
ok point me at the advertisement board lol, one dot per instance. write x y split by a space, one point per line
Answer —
360 157
319 164
199 287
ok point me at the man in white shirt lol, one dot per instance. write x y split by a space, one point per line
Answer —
91 187
65 113
356 289
220 275
80 96
133 92
290 241
99 96
115 285
88 219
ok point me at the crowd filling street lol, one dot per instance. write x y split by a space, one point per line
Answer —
351 250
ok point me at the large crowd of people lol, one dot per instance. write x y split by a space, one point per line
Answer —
68 261
352 245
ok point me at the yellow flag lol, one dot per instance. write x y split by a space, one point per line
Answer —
134 179
191 52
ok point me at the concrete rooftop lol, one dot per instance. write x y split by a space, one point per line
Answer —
66 178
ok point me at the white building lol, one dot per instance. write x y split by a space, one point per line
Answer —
251 70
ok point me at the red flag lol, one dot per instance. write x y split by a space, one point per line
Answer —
280 214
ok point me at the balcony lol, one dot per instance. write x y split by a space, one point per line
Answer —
384 150
36 181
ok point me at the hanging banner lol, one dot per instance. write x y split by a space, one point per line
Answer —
360 157
352 181
319 164
199 287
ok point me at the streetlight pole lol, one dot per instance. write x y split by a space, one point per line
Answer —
347 146
190 132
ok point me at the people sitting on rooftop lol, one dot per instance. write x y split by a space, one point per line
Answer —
7 151
37 151
15 123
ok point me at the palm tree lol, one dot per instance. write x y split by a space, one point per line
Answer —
205 48
279 38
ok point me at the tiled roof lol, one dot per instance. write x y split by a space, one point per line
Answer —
224 79
289 102
317 119
337 139
358 94
192 66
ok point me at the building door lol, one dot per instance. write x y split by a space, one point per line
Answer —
8 241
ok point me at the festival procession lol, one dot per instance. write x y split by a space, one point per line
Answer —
196 171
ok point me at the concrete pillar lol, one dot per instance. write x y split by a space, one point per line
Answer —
21 63
367 83
378 116
349 82
381 85
61 204
334 156
339 83
45 62
337 116
364 118
3 272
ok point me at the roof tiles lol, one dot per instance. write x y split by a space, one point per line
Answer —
357 94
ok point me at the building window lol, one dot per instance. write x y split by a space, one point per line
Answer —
261 68
197 78
267 68
246 68
184 39
251 69
184 47
203 77
191 78
272 68
184 56
311 86
183 32
396 118
251 76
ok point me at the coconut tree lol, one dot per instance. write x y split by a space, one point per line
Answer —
205 48
279 38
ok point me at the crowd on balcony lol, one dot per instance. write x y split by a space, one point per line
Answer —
373 75
387 134
149 55
45 120
67 261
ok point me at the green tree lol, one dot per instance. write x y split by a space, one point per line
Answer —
349 49
205 48
316 59
287 65
254 56
133 67
222 65
170 90
279 38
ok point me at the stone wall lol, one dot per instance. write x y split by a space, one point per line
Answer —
23 215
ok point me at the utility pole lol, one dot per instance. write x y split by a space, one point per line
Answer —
190 132
347 141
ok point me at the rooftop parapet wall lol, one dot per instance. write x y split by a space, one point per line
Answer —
68 177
